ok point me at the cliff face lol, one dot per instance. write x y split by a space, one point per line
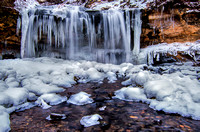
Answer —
170 26
9 41
162 21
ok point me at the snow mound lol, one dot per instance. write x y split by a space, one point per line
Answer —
5 122
172 93
131 93
3 86
13 96
46 100
80 98
90 120
141 78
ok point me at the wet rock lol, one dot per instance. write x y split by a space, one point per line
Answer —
8 56
100 98
56 116
105 125
157 122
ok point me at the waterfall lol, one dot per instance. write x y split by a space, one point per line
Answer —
71 32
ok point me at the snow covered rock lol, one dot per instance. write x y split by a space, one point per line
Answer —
141 78
18 95
13 96
37 87
90 120
159 89
56 116
131 94
95 75
5 121
46 100
80 98
111 77
3 86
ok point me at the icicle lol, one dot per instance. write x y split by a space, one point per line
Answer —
24 30
18 25
128 35
74 33
137 32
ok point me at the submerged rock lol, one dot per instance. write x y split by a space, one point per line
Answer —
56 116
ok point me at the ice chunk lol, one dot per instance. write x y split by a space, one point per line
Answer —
3 86
102 108
5 100
32 96
13 96
80 98
12 81
2 74
127 82
141 78
52 99
90 120
111 77
94 75
5 122
21 107
159 89
131 94
42 104
63 80
18 95
41 88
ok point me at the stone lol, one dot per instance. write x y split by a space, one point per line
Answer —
56 116
105 125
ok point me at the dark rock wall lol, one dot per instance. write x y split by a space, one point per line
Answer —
9 41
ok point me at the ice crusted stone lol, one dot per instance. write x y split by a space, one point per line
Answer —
5 121
131 94
90 120
46 100
56 116
141 78
81 98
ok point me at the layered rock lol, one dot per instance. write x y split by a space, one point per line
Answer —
9 41
170 26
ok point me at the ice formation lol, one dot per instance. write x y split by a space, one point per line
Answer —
25 83
174 93
46 100
163 87
81 98
73 32
147 55
5 122
90 120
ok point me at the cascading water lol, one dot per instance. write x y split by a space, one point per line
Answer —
71 32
